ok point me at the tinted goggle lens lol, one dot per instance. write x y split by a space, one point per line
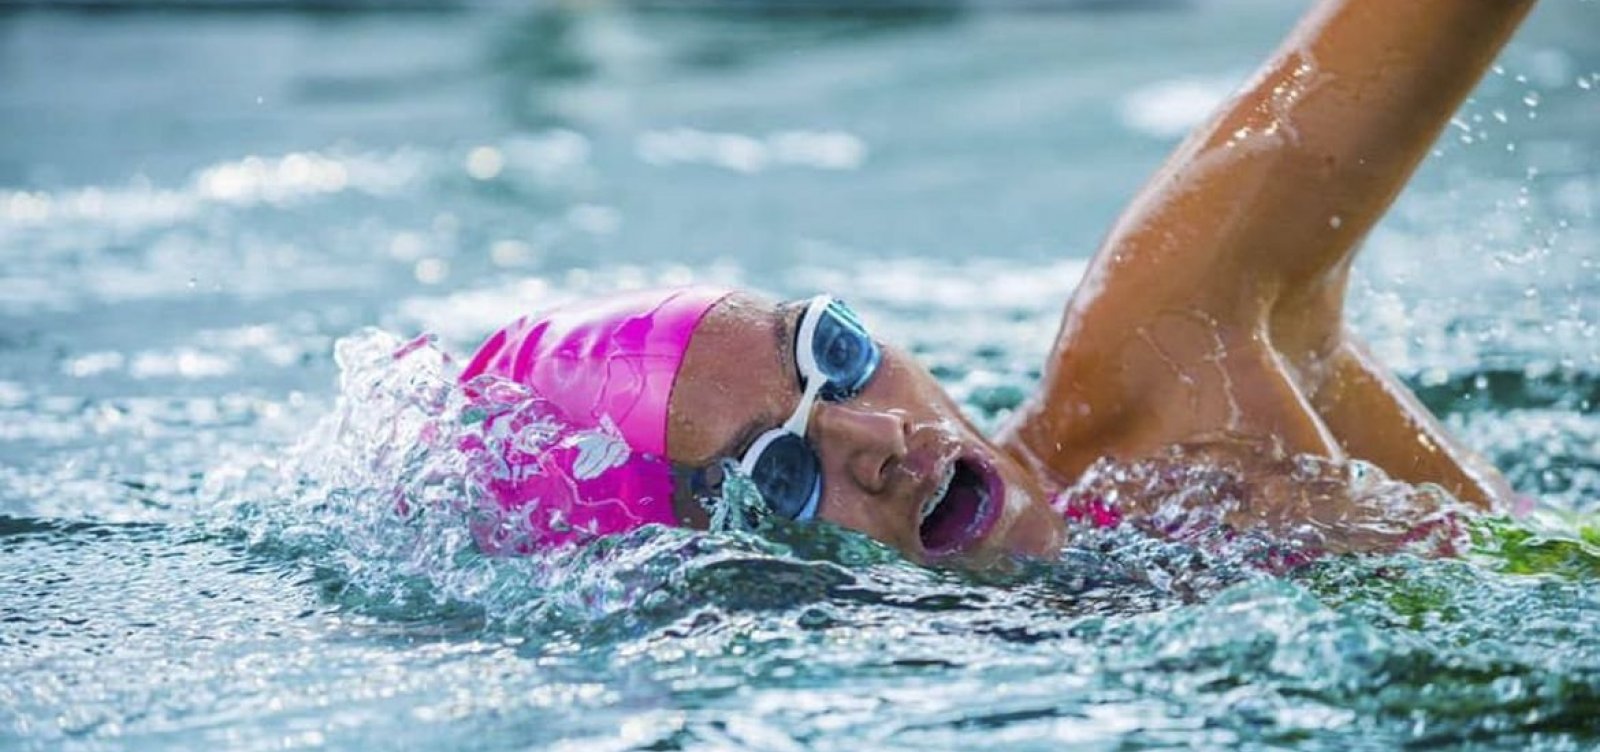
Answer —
783 466
789 477
843 351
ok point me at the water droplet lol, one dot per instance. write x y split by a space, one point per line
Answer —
1531 99
511 253
485 163
407 246
595 219
431 271
446 223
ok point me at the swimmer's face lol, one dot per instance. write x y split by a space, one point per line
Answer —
899 461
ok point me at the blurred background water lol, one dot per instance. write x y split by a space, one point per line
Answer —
197 199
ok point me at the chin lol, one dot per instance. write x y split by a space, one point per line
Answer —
1030 526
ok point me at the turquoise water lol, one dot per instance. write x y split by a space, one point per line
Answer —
200 207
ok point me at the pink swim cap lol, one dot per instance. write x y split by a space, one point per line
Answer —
583 452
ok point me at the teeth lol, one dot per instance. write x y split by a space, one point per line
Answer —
937 496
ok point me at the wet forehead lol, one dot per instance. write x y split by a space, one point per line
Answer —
736 376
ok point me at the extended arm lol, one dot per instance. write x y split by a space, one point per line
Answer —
1281 183
1214 304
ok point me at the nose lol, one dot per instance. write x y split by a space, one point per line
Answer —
869 441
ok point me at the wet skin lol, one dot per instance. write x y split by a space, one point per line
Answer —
1215 305
1213 310
884 452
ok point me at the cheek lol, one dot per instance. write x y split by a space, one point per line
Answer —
1033 527
866 517
1037 530
901 384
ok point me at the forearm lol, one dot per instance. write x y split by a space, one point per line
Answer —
1283 182
1377 419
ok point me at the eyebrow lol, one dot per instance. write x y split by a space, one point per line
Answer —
785 318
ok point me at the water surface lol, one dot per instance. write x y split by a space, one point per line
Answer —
197 204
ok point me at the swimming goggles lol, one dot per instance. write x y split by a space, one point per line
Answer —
835 358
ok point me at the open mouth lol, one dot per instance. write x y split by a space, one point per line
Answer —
961 510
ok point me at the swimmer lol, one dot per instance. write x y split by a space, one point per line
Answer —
1211 313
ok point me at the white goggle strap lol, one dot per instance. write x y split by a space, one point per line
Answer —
801 419
806 360
747 464
804 355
